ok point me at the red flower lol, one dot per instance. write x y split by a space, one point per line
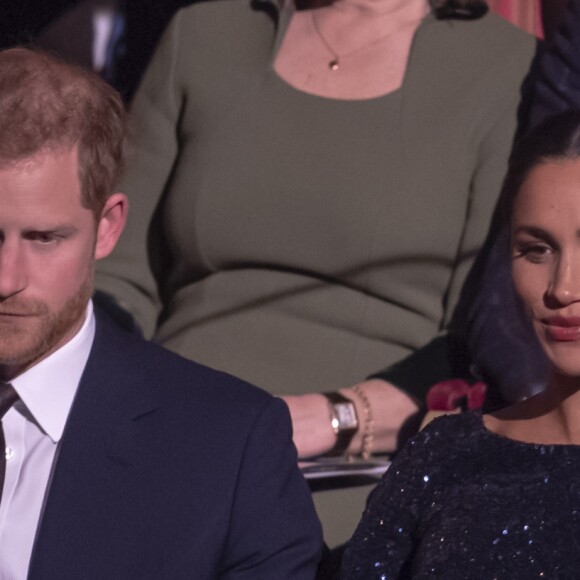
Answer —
454 393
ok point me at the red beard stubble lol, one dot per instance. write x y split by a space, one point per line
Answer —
30 338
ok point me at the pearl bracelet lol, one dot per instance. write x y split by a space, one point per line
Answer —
367 435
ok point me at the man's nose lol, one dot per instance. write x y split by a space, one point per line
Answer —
13 269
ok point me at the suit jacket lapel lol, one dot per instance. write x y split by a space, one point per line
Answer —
97 450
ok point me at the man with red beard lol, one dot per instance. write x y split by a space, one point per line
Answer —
122 460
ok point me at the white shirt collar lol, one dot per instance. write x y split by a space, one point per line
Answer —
48 388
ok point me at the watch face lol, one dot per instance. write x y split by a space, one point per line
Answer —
346 415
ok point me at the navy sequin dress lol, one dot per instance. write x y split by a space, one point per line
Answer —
461 502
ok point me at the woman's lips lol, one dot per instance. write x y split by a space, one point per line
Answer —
563 329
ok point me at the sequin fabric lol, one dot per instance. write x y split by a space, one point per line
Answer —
461 502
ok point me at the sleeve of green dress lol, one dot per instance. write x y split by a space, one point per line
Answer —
127 275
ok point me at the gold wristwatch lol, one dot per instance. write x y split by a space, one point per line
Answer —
344 421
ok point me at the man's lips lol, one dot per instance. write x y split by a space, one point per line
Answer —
17 314
562 328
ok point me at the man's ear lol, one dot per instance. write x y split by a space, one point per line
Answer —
111 224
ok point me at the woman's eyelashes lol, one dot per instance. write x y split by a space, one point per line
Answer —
536 251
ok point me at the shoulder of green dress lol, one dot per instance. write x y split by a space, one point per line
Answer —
223 33
217 19
509 39
491 37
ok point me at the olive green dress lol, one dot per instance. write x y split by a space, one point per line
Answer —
299 242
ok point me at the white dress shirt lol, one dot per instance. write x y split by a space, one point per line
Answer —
32 428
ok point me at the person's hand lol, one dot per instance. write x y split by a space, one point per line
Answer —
313 433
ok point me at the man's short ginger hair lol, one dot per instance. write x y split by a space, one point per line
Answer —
49 106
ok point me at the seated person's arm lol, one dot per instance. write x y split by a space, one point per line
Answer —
128 275
274 532
396 393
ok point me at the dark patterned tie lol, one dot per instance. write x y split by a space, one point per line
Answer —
8 397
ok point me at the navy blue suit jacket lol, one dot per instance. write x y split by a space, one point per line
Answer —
170 470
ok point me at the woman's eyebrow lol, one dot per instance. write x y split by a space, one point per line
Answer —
537 232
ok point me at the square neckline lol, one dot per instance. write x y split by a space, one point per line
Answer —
285 16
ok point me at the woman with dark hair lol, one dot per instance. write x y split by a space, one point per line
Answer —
308 190
495 331
497 495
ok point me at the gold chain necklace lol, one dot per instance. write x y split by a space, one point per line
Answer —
334 62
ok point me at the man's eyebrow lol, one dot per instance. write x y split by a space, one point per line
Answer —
61 229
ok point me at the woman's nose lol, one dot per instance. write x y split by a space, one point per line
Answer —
565 283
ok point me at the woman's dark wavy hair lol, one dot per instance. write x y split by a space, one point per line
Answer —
443 9
555 139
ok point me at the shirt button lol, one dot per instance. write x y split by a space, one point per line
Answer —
9 453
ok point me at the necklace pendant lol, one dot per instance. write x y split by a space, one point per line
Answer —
333 64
